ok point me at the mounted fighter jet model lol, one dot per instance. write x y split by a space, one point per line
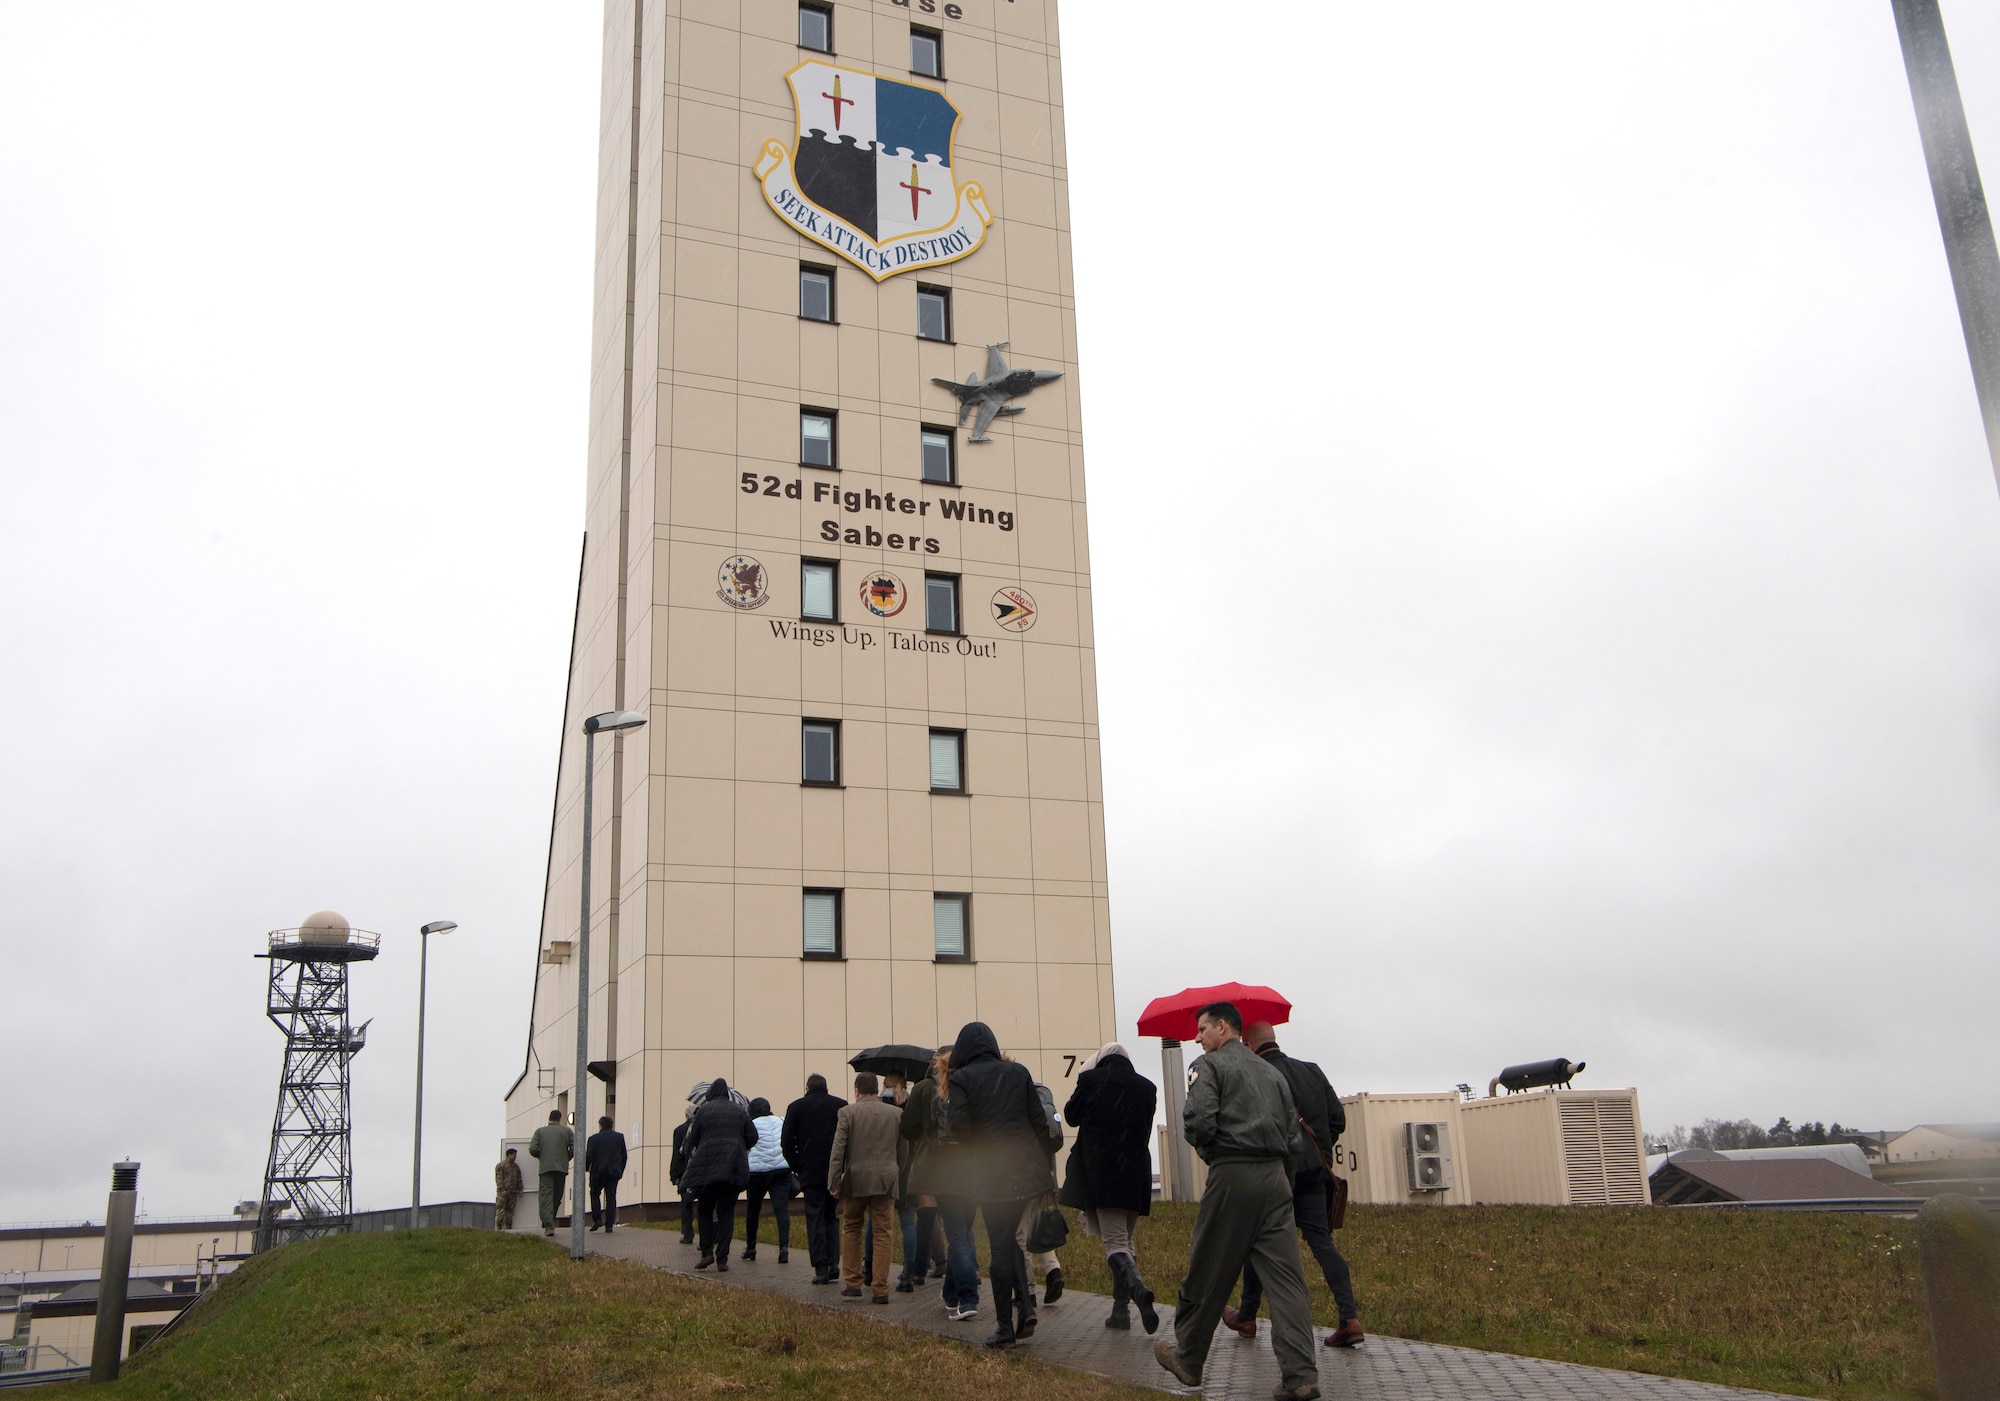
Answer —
991 394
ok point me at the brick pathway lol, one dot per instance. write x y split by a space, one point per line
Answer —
1071 1333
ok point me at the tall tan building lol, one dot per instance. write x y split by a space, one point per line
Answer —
836 554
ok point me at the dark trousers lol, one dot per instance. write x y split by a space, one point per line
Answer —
918 1224
1245 1215
779 1185
961 1274
603 1201
1309 1210
687 1215
715 1212
1008 1264
822 1227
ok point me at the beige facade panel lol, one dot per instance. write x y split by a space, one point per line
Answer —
1557 1148
708 495
1374 1150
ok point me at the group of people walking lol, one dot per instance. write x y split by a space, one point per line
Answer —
976 1140
973 1140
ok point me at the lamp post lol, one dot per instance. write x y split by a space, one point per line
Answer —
436 926
612 722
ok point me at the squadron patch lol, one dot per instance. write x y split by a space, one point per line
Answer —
743 583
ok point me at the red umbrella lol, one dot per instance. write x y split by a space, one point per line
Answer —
1173 1017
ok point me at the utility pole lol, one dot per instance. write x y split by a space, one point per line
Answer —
1961 200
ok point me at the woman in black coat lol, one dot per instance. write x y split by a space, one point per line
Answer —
1004 1138
1111 1171
718 1143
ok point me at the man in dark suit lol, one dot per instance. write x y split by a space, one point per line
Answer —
604 1163
810 1123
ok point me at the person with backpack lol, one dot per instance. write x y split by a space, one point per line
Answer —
1110 1176
1322 1120
994 1112
936 1171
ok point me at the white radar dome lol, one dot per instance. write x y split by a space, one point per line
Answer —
325 927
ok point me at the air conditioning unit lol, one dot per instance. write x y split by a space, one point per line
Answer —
1427 1152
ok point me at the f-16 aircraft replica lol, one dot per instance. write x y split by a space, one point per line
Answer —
990 395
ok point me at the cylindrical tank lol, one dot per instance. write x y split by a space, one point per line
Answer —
325 927
1536 1074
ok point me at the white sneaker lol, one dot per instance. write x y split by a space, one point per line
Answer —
960 1315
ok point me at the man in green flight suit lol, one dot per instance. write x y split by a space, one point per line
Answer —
1240 1117
552 1147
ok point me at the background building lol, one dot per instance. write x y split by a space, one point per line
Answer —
867 805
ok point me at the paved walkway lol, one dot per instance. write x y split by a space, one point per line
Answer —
1071 1333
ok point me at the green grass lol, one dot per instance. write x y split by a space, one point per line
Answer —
1814 1304
452 1313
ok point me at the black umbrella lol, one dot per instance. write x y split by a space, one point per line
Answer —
913 1063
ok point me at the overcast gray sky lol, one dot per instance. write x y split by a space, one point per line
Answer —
1547 564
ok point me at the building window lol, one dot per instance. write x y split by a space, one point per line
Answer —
816 28
815 292
950 928
821 924
941 603
938 464
926 53
819 586
934 313
815 438
947 761
819 756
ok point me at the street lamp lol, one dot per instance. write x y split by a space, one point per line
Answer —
610 722
436 926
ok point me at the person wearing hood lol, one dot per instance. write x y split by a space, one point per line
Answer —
770 1174
1110 1176
719 1140
996 1114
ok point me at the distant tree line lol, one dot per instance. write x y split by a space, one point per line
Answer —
1720 1134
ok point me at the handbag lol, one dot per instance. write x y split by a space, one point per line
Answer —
1336 1201
1049 1229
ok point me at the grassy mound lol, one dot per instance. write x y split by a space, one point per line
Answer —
448 1313
1814 1304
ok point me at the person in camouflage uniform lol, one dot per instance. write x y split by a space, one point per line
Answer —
507 1188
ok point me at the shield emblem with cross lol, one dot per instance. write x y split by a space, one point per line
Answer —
869 173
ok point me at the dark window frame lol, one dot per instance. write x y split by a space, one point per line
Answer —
957 604
964 898
825 12
807 722
839 954
943 294
832 317
963 786
832 417
936 36
832 564
950 436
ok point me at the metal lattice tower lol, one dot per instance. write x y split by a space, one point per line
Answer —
309 1176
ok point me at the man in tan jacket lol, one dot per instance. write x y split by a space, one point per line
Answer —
862 1173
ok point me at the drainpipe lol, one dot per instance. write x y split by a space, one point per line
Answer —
114 1274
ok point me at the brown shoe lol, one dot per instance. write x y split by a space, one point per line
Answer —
1308 1392
1347 1334
1168 1355
1238 1324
